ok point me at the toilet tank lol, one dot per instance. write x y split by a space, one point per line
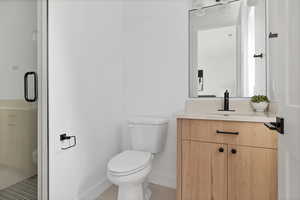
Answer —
148 133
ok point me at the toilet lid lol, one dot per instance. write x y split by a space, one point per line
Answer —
129 161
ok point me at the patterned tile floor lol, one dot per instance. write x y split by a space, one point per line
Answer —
24 190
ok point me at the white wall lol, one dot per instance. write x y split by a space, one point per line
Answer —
108 61
85 88
156 70
18 48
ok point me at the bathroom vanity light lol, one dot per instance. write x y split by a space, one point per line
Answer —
222 1
200 7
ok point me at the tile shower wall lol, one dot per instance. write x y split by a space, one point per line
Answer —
18 141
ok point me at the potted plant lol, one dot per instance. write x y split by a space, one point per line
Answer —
260 103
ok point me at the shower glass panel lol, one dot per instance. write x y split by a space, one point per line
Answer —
18 115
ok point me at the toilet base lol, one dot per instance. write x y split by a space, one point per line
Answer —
134 192
148 194
147 191
131 192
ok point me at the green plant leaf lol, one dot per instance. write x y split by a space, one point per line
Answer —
259 99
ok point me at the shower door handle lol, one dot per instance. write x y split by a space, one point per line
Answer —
26 88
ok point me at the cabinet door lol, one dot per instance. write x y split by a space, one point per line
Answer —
252 173
204 171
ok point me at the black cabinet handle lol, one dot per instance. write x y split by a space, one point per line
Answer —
233 151
227 133
221 149
26 97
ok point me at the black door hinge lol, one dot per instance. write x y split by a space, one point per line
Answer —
278 125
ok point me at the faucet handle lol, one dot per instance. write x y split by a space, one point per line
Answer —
226 94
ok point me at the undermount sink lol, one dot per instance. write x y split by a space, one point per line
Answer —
231 113
237 114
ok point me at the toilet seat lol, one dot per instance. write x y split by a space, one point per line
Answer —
129 162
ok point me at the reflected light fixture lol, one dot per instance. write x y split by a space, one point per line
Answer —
223 4
222 1
200 12
198 4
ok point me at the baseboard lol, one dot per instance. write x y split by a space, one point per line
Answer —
161 179
95 191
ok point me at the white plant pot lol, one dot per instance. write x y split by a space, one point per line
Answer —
260 107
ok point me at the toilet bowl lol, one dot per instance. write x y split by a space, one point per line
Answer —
129 170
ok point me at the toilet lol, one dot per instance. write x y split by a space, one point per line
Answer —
129 170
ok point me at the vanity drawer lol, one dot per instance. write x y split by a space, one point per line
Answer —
229 132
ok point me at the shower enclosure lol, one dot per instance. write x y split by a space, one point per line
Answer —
18 100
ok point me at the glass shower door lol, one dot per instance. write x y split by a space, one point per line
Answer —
18 115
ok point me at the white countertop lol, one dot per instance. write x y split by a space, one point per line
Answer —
230 116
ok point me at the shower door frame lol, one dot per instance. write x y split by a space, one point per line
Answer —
42 71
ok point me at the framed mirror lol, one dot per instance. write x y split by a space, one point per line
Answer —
227 41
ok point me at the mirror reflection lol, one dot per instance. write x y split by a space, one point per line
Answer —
228 49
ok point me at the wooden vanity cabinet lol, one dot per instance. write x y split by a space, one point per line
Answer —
252 173
214 166
204 171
